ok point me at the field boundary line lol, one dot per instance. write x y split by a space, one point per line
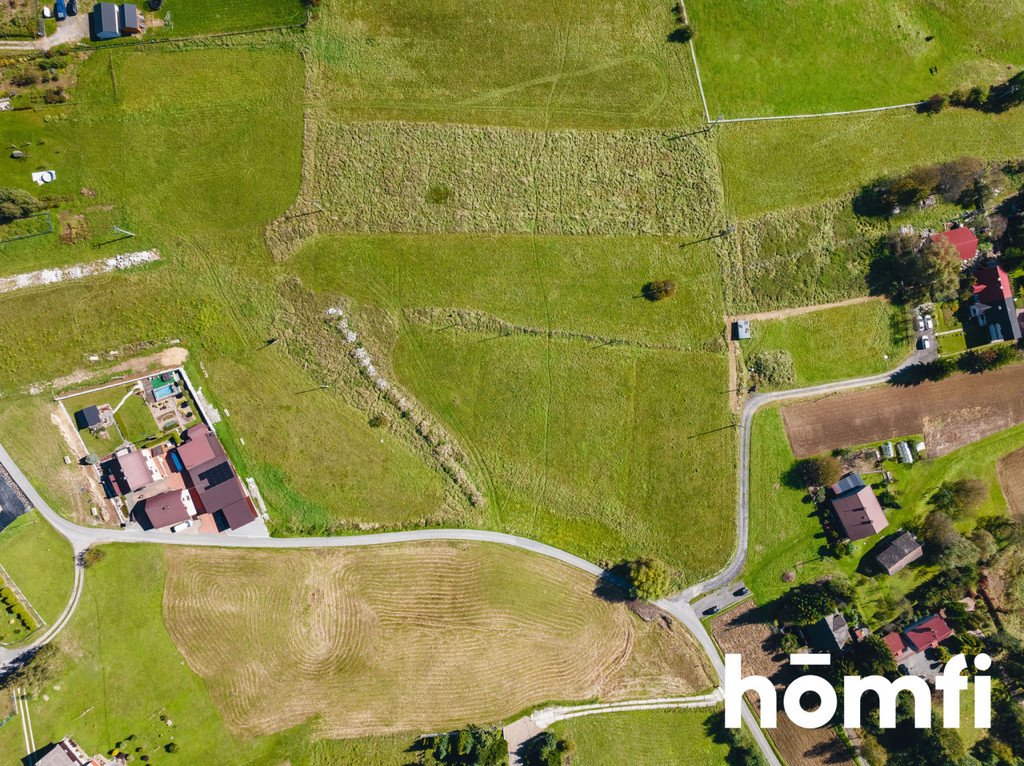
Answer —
812 115
696 66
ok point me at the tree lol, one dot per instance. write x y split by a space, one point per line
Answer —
872 657
912 272
546 749
808 603
171 747
15 204
938 531
93 556
961 553
649 579
821 471
934 104
659 289
959 497
771 368
958 176
986 544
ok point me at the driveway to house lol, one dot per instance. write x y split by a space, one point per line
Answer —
679 605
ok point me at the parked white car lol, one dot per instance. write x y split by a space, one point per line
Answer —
918 322
926 342
928 322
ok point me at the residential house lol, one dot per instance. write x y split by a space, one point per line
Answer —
831 633
928 633
897 553
164 511
993 306
66 753
857 508
898 646
90 418
215 487
963 239
131 471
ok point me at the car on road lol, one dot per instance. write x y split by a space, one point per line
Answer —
712 610
742 592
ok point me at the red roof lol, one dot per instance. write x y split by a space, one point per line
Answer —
132 472
963 239
895 643
197 449
993 285
929 632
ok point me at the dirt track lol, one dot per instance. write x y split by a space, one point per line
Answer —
950 414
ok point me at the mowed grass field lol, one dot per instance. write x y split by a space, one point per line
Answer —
40 562
533 63
610 440
802 57
371 641
650 737
187 18
837 343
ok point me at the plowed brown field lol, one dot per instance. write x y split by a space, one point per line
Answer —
408 637
1011 479
951 413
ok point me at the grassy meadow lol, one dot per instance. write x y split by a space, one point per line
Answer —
40 562
650 737
836 343
827 158
535 63
187 18
760 59
787 536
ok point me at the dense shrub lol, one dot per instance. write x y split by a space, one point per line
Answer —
15 203
649 579
820 471
659 289
910 271
934 105
771 368
25 78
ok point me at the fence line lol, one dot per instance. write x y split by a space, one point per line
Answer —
914 104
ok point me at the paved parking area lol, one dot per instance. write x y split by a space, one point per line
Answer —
12 503
721 599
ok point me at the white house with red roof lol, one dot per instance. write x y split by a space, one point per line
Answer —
993 306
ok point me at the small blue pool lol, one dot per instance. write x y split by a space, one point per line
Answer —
163 392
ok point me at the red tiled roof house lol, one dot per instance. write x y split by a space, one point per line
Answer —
963 239
857 508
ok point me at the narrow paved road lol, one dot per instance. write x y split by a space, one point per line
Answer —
81 538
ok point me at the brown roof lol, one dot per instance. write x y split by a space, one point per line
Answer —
928 632
216 486
900 551
132 472
860 513
62 754
198 448
161 511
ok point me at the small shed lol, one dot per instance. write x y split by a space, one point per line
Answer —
898 552
906 456
105 22
89 418
741 329
888 451
130 24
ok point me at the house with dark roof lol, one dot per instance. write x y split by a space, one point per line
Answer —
65 753
215 487
830 633
857 508
897 553
130 472
129 17
90 418
164 510
963 239
741 329
993 306
105 21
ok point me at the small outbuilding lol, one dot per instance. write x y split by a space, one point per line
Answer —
831 633
741 329
105 21
130 24
896 554
89 418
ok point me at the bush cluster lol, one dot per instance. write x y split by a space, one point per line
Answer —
17 610
771 368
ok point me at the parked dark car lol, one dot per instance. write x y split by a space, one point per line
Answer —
711 610
72 7
60 10
742 592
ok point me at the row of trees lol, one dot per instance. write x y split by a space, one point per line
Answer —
995 98
974 361
966 181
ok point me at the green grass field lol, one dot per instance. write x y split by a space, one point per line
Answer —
536 63
801 57
827 158
136 421
40 562
837 343
786 536
650 737
187 18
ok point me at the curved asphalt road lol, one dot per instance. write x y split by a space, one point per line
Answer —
81 538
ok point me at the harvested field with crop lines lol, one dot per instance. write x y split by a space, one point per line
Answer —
405 177
1011 469
371 641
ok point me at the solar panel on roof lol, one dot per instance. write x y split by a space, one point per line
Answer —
219 474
